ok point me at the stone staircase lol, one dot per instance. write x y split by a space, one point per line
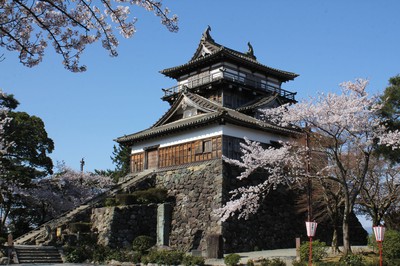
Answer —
35 236
37 254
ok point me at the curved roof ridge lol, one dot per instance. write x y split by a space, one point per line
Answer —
207 103
258 102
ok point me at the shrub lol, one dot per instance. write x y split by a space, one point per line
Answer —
125 199
318 251
142 243
190 260
151 195
232 259
166 257
118 255
273 262
352 260
99 253
299 263
137 257
375 262
95 253
76 255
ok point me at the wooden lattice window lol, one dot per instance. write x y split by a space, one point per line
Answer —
137 162
207 146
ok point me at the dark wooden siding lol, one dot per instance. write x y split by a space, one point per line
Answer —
137 162
195 151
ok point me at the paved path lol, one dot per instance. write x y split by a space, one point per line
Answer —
287 255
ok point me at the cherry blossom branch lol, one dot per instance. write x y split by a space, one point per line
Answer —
46 28
68 25
66 14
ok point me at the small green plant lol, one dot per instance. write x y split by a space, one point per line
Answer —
166 257
190 260
142 243
319 251
376 261
232 259
273 262
137 257
76 255
299 263
125 199
352 260
151 195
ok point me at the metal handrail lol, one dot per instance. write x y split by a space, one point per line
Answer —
231 77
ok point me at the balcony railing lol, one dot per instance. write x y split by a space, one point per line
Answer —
231 77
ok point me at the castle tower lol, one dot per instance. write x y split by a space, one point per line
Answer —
215 101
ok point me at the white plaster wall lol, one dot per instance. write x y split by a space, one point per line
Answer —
208 132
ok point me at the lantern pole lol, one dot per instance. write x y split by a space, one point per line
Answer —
379 232
308 170
310 253
310 226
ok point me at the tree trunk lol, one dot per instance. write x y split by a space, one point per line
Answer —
334 246
346 235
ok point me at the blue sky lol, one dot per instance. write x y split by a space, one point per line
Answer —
326 42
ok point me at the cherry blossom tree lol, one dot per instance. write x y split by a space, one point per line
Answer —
56 194
29 26
348 128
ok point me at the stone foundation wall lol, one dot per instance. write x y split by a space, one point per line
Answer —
197 190
118 226
277 222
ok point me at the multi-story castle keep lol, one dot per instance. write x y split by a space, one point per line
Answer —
212 108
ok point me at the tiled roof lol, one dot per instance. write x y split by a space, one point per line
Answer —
216 114
234 55
217 50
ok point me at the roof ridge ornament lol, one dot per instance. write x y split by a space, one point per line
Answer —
250 52
206 35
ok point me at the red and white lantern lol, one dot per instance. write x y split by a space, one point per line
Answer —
311 228
379 232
